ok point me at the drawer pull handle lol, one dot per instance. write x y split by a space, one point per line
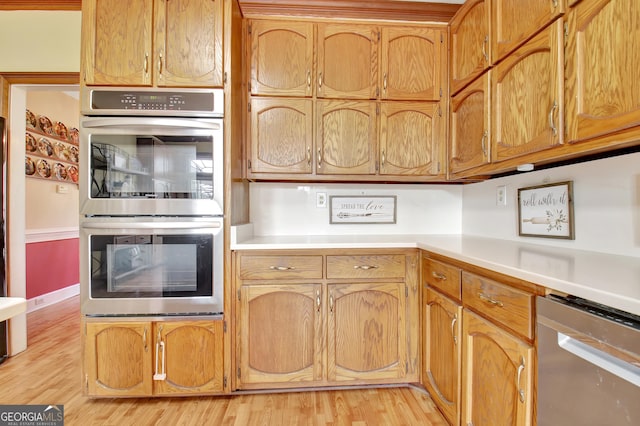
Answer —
439 276
490 300
282 268
365 267
520 370
453 329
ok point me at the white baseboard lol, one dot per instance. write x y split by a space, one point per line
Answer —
56 296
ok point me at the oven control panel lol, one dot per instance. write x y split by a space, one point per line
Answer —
183 102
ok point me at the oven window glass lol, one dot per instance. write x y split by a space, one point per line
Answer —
135 266
151 166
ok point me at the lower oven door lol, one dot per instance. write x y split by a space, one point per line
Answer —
151 266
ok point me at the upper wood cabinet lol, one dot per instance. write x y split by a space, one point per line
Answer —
470 137
146 43
346 137
347 61
281 58
413 63
410 139
281 132
515 21
602 71
527 98
470 43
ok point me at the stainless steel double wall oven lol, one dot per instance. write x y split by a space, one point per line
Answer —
151 201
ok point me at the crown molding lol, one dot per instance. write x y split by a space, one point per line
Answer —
41 5
351 9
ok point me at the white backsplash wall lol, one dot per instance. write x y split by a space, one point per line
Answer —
606 205
290 209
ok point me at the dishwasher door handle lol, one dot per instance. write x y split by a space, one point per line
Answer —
613 365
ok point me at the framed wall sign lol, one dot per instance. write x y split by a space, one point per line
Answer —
362 209
546 211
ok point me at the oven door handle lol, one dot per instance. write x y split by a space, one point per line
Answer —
151 225
148 123
612 364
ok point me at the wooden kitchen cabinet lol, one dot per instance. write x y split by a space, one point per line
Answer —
143 358
145 43
280 335
346 137
347 61
497 375
281 58
470 127
321 318
602 72
442 343
470 32
527 111
281 136
413 63
515 21
371 317
411 136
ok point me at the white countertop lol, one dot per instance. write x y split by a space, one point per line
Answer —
11 306
608 279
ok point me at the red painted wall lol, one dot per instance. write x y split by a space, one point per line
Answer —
51 265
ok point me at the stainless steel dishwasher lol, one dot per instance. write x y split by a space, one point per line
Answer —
588 363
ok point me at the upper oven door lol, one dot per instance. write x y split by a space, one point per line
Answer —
156 166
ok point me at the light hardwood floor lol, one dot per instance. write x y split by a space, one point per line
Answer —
48 372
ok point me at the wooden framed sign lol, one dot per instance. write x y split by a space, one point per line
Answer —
546 211
362 209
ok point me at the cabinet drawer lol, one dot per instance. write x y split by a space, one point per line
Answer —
374 266
509 306
280 267
441 276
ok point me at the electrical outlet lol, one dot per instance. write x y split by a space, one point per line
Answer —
321 200
501 195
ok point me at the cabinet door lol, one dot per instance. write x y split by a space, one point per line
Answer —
188 43
470 127
116 42
411 139
346 137
527 105
602 69
347 61
411 63
470 48
442 350
118 358
515 21
497 378
366 329
281 136
280 331
189 354
281 58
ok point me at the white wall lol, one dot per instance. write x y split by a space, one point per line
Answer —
40 41
290 209
606 205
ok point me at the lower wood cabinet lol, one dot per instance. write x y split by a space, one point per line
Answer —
478 344
348 326
497 375
143 358
442 334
